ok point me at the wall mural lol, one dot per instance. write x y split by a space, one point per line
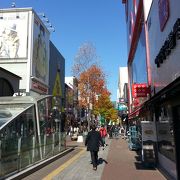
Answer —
40 52
13 35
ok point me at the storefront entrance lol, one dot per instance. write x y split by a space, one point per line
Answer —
176 117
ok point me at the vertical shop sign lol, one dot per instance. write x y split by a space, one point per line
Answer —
163 6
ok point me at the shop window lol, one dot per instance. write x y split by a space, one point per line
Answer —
165 133
49 116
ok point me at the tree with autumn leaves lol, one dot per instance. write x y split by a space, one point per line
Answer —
92 83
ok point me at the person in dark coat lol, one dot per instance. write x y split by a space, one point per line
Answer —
93 141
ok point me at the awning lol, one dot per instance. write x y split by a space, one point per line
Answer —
135 113
172 90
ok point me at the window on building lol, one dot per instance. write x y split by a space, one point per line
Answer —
165 133
139 68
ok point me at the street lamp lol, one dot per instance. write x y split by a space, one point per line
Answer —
46 22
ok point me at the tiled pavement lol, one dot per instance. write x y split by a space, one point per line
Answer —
116 162
81 169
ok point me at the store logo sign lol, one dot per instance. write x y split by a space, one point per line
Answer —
169 44
39 87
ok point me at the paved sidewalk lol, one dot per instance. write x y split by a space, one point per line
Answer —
126 165
81 169
116 162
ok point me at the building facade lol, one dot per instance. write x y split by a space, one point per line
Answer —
57 74
71 99
122 91
24 51
164 52
122 79
153 30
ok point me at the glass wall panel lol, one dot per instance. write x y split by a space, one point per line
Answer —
139 67
17 142
131 12
20 145
50 122
165 134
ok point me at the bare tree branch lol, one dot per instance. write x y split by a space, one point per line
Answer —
85 57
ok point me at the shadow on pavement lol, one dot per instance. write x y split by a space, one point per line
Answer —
101 160
138 157
142 166
72 146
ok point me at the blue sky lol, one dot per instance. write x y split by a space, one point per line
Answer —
101 22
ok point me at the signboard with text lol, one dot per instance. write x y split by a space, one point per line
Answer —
140 90
38 87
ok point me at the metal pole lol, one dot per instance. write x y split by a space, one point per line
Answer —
33 150
44 153
0 158
19 153
53 142
88 118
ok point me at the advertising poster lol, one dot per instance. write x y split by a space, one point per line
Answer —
149 139
40 61
148 131
13 35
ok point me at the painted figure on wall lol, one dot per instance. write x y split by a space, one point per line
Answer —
9 42
40 55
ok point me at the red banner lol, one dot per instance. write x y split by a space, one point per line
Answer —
140 90
39 87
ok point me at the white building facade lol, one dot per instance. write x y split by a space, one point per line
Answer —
24 48
122 79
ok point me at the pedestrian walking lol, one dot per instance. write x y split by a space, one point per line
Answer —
93 141
103 133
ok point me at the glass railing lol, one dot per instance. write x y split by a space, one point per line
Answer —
17 154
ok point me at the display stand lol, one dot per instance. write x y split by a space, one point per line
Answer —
133 139
148 143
